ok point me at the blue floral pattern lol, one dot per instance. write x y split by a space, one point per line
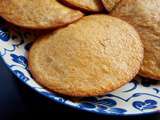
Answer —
21 75
106 102
147 104
106 105
140 96
19 59
4 36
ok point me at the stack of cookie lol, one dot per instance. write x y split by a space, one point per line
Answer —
87 54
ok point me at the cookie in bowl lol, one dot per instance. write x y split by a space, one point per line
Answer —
86 62
85 5
144 15
37 14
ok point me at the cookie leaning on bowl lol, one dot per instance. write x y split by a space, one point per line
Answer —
87 62
85 5
144 15
37 14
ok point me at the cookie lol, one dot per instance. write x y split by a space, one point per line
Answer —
144 15
87 62
85 5
37 14
110 4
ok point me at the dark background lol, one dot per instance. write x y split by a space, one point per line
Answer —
19 101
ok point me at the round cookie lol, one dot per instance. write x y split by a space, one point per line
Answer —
37 14
87 5
144 15
87 62
110 4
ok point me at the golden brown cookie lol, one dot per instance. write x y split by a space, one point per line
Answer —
144 15
110 4
87 5
37 14
91 57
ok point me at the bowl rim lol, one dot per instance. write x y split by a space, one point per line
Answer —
76 107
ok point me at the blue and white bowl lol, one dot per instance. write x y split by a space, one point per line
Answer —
136 97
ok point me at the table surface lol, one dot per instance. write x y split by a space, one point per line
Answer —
16 97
